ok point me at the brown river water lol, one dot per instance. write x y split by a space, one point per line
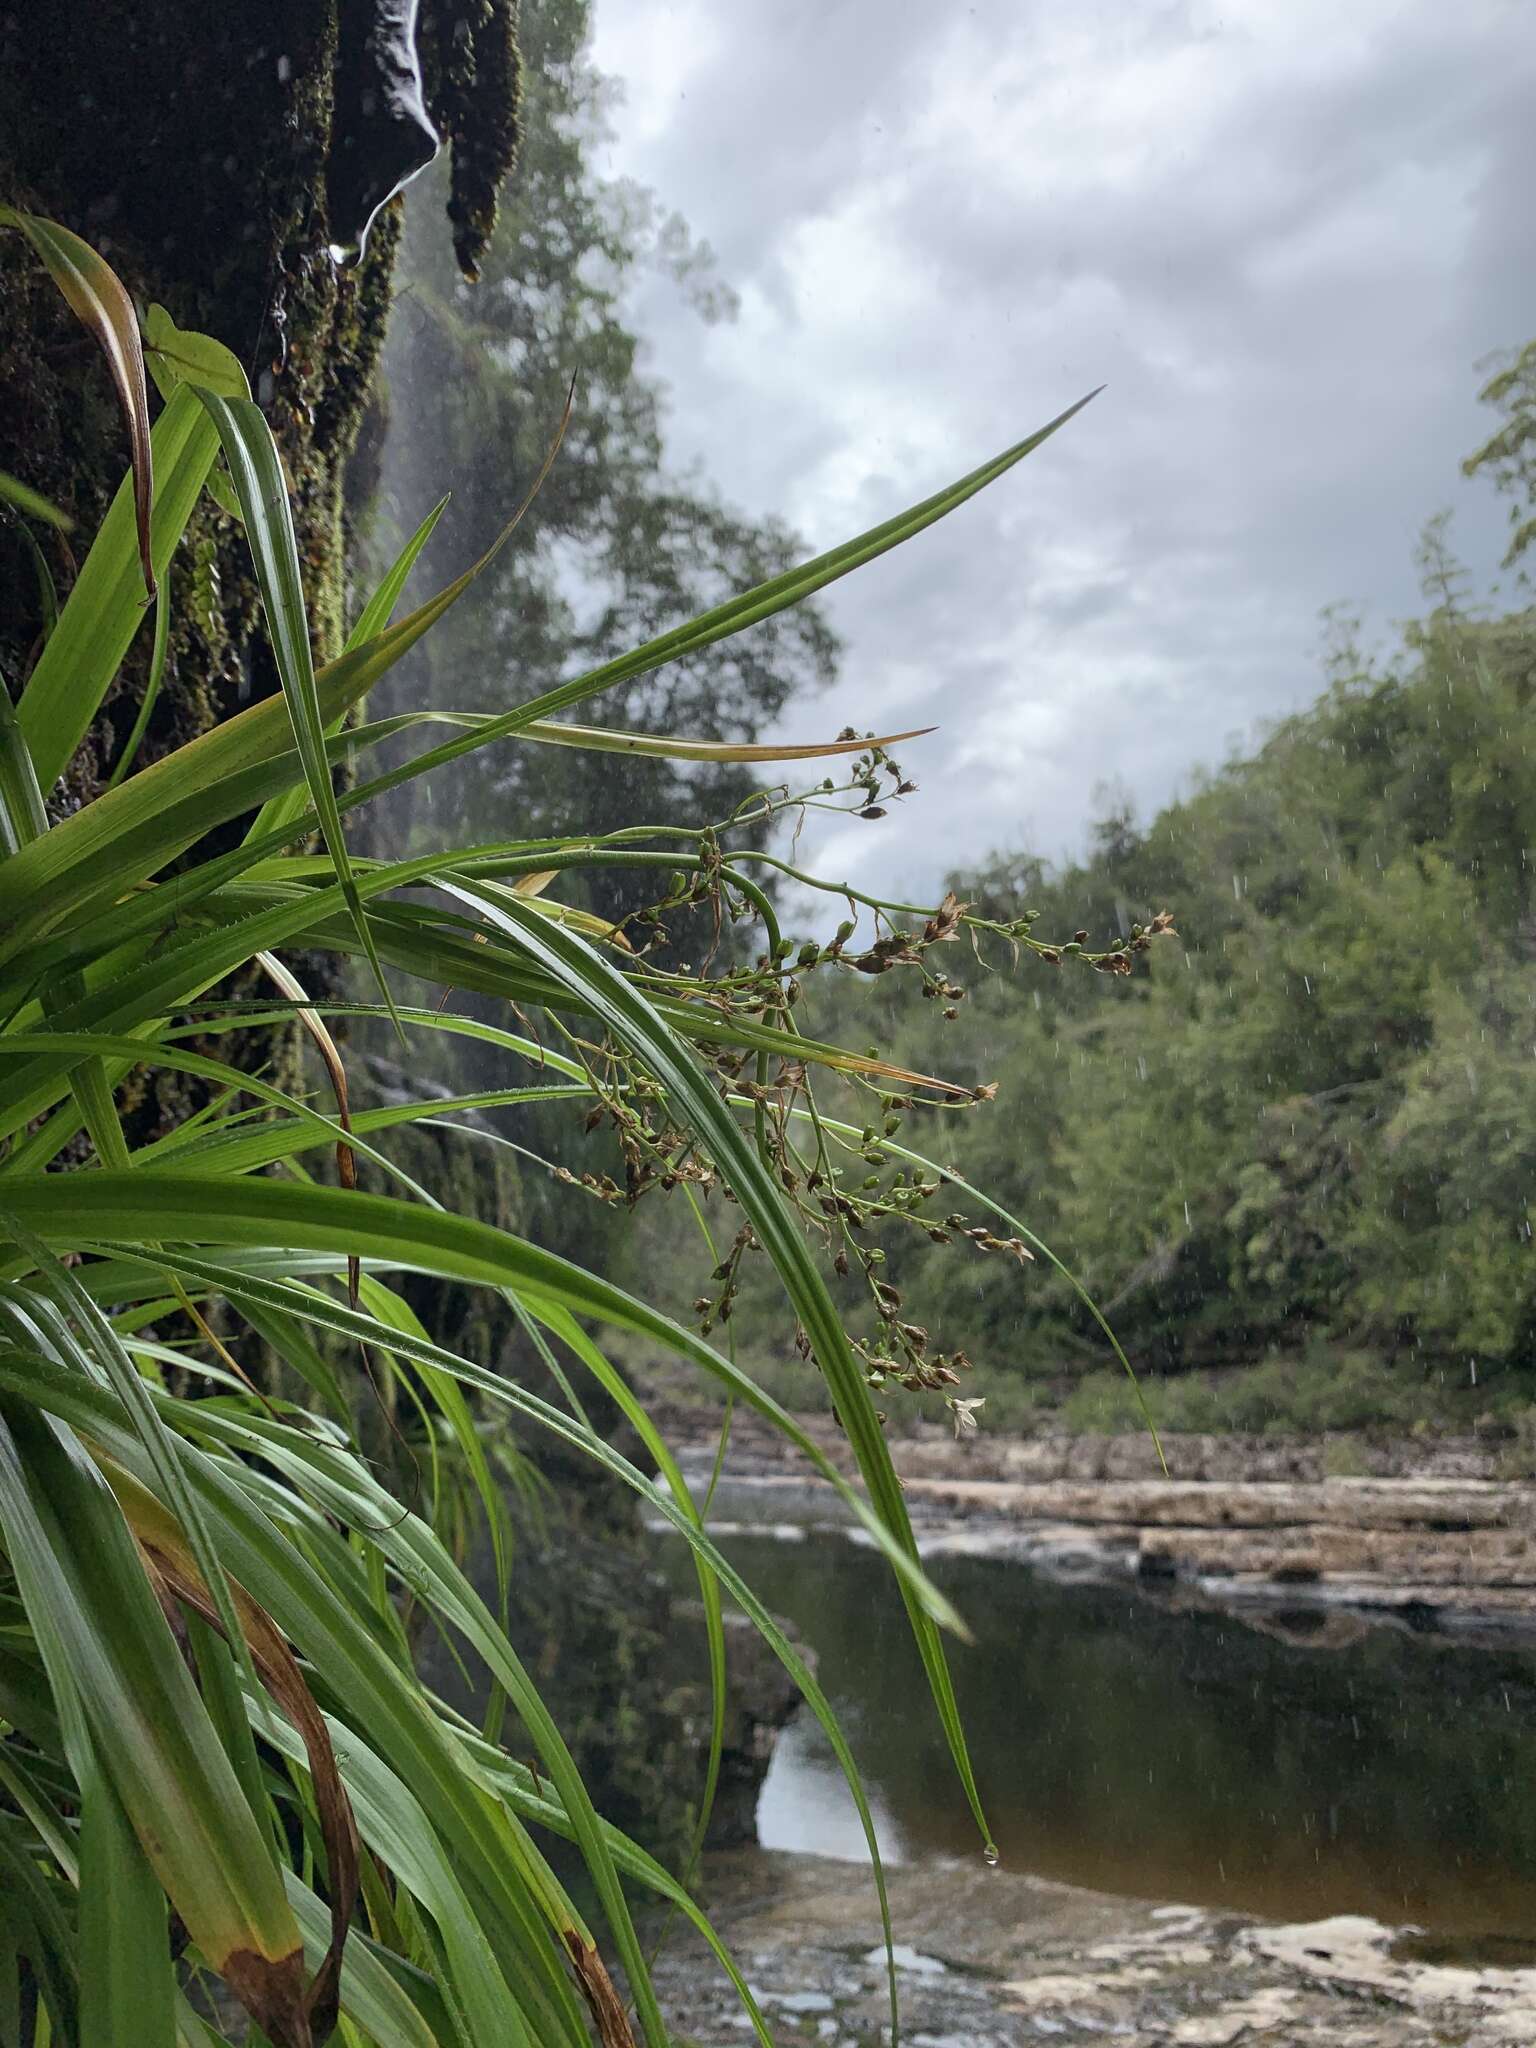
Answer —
1128 1745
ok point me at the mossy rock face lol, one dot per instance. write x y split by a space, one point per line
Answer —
190 144
192 159
192 150
195 160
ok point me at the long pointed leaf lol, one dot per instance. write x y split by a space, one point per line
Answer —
257 470
220 774
737 613
632 1020
106 1206
667 747
14 492
82 1582
177 355
22 816
106 606
288 808
170 805
95 295
126 1986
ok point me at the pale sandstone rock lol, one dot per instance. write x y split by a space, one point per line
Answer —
1426 1531
1026 1960
1261 2014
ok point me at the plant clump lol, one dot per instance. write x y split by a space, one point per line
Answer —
220 1761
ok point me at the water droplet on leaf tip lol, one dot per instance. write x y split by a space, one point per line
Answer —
990 1856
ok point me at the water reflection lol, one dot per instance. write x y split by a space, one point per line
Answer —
805 1805
1127 1745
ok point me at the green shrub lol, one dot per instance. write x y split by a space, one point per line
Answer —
1306 1393
1517 1458
1343 1458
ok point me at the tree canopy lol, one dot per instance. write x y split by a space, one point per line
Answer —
617 547
1303 1127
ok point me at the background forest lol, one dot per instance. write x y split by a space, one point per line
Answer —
1297 1141
1290 1154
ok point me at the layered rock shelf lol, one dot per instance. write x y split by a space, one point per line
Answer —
1423 1547
1425 1532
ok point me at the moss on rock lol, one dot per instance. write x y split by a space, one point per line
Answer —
469 48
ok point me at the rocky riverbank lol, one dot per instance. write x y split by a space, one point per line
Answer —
995 1959
1424 1533
1429 1537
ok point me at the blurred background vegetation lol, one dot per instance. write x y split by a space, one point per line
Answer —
1290 1155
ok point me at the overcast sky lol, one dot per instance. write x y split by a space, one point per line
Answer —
1282 232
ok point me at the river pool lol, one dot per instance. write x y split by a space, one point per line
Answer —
1130 1744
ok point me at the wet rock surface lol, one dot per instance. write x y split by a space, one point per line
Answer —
1456 1550
1428 1534
994 1959
760 1698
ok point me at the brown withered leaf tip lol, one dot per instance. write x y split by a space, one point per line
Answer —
272 1992
608 2015
293 2015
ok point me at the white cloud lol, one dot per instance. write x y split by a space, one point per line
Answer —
1282 230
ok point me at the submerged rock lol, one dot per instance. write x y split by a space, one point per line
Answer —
760 1698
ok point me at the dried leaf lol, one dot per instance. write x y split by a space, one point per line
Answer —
608 2014
534 885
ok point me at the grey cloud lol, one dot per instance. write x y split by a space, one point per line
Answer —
1286 286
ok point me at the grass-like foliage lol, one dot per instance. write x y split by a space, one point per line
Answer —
216 1758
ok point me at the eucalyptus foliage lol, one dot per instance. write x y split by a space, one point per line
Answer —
216 1758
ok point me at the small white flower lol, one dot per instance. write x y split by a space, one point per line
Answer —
963 1414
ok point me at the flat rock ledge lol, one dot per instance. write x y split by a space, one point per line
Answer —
1431 1550
993 1959
1431 1537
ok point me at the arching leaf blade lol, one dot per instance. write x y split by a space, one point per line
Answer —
257 471
106 606
106 1640
126 1984
32 503
96 295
